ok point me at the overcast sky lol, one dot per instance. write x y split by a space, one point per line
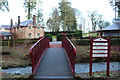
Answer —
16 9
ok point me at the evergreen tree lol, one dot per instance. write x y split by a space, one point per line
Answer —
29 5
67 16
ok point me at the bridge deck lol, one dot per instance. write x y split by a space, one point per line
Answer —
54 65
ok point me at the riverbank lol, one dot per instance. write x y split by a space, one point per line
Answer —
81 71
83 56
17 56
82 76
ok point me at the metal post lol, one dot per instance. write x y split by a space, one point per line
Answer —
108 59
91 45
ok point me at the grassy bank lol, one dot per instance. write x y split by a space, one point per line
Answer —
17 56
114 75
83 53
83 56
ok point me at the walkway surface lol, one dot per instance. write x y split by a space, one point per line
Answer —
54 64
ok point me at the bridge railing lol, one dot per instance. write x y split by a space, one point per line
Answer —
37 50
71 52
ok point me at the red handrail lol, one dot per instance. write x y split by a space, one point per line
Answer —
37 50
71 52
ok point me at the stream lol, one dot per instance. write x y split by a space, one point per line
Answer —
79 68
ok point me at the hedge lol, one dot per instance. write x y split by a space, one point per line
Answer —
58 32
114 41
23 41
49 36
70 35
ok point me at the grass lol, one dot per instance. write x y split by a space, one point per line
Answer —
17 57
82 54
7 76
53 36
102 74
90 34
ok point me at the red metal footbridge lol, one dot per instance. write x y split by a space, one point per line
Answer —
53 63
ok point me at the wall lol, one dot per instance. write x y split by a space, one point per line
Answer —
24 33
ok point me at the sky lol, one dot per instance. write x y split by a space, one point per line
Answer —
16 9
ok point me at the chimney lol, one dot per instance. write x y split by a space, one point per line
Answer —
11 23
34 21
18 20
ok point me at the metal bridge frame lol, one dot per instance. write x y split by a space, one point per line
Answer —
37 51
71 53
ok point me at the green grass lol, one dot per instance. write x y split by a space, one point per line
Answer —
90 34
53 36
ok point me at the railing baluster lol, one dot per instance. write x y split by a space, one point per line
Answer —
36 51
71 52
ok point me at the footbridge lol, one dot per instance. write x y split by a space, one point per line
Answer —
55 61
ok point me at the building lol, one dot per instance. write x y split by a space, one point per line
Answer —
5 32
112 30
28 29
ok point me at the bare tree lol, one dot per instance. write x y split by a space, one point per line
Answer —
95 18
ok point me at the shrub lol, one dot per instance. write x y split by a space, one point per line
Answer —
60 36
114 41
49 36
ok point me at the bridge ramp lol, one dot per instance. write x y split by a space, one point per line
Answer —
54 65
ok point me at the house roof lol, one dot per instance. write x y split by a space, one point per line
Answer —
26 23
5 33
115 26
7 27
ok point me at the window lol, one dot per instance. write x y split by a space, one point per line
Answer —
30 35
38 35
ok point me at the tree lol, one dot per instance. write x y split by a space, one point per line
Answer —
4 5
67 16
29 5
39 12
39 16
95 18
49 24
100 22
54 22
116 6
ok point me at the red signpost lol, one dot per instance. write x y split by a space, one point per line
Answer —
100 47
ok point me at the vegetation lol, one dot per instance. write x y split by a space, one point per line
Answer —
97 20
54 22
115 5
16 56
113 41
67 16
49 36
4 5
29 6
75 35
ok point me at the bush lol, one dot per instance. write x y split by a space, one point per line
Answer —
49 36
59 37
83 42
74 35
115 41
19 41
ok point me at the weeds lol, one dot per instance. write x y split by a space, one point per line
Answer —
17 56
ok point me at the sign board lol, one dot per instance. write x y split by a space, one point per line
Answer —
100 47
